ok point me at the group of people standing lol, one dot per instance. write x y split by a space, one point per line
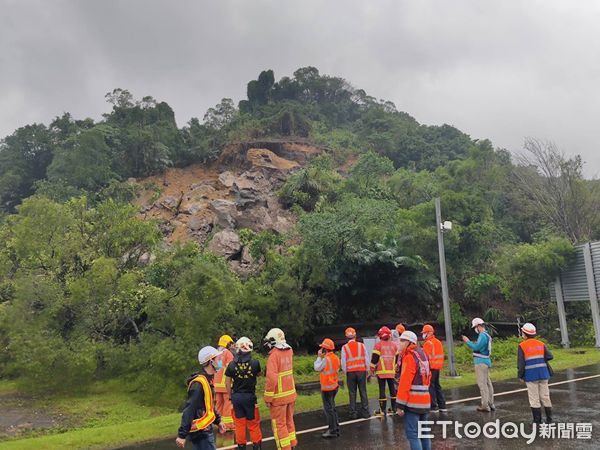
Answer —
223 391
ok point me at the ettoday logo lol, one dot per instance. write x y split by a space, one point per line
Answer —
506 430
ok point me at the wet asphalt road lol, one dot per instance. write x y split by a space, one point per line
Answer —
573 402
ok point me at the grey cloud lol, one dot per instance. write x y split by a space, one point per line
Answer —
503 70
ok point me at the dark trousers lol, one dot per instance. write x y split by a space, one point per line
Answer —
204 442
330 412
435 391
358 380
411 427
392 388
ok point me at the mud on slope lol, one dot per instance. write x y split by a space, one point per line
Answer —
210 204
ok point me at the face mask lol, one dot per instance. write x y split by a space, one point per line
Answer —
477 330
424 336
218 366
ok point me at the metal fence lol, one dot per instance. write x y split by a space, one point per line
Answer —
579 282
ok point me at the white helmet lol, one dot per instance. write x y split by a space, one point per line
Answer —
529 329
244 345
409 336
476 321
207 353
274 336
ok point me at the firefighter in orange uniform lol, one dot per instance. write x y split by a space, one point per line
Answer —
223 402
434 350
328 364
413 390
383 365
280 389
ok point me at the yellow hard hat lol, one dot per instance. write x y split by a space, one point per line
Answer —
225 340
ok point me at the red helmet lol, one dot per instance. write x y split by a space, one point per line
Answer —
384 333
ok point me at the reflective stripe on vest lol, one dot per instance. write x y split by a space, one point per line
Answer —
209 415
329 375
388 352
436 358
355 357
419 399
480 355
533 351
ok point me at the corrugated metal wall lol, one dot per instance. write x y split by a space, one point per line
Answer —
574 280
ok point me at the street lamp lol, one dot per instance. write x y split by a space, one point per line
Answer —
441 228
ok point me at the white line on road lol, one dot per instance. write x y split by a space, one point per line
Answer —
452 402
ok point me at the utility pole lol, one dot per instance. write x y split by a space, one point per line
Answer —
441 227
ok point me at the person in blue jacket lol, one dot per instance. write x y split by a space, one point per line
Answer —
482 352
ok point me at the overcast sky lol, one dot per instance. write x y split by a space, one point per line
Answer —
503 69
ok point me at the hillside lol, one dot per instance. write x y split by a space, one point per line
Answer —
210 204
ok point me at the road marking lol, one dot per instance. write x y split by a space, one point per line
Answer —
451 402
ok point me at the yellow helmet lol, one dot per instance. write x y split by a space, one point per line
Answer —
225 340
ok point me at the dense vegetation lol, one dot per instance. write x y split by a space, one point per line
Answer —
80 299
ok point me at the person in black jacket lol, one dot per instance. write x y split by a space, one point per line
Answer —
242 373
199 413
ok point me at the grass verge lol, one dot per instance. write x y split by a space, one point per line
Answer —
110 416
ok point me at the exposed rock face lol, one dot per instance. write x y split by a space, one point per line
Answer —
238 191
225 243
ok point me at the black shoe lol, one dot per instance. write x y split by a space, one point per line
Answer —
257 446
365 415
548 414
241 446
353 416
328 435
492 407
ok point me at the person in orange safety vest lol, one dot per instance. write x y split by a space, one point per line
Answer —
328 364
383 365
434 350
413 389
280 389
355 364
223 402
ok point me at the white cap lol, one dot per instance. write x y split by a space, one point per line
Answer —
207 353
476 321
529 329
409 336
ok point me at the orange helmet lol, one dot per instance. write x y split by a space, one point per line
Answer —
384 333
400 328
350 332
427 329
327 344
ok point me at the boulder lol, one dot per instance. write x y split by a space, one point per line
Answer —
225 243
225 212
227 178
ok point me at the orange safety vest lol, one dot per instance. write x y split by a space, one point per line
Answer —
536 367
413 386
355 356
219 381
209 415
329 375
386 366
434 350
280 388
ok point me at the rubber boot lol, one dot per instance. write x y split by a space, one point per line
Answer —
537 415
382 404
548 414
